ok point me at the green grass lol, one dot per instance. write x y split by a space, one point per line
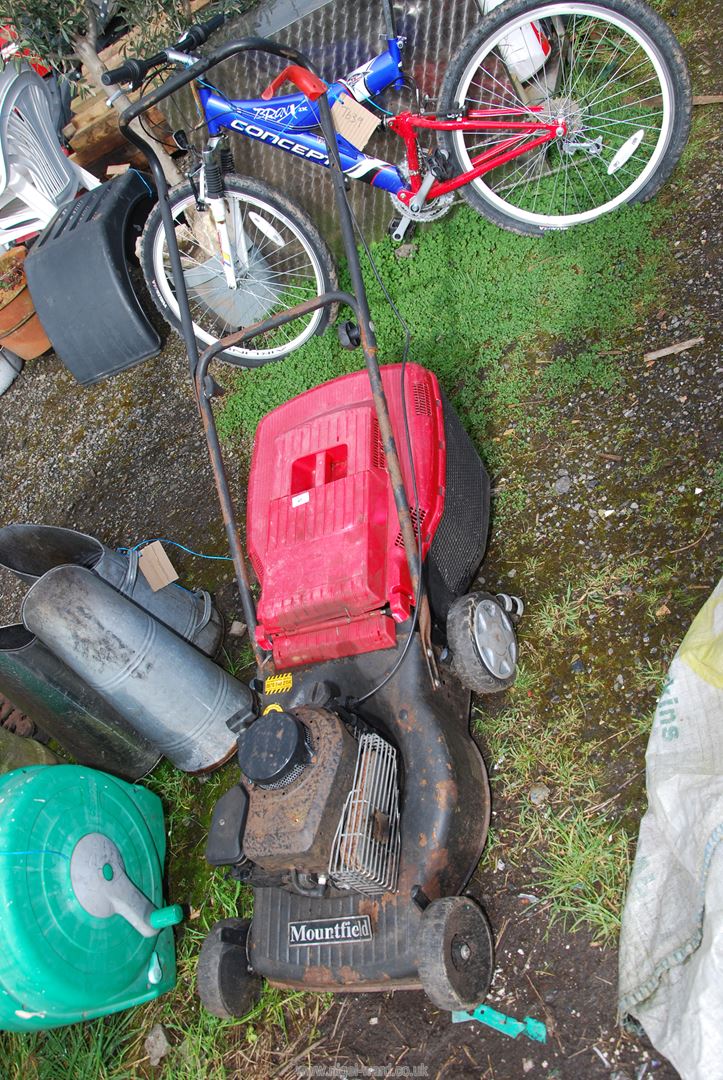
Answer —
83 1052
584 871
560 612
552 728
487 309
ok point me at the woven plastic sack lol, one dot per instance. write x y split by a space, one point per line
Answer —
671 946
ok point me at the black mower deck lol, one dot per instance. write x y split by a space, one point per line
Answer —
356 942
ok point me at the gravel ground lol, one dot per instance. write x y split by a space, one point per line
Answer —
124 460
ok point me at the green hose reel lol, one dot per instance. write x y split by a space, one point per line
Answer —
83 928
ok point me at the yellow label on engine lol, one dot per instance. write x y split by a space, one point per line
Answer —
278 684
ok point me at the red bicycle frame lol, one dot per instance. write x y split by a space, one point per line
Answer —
407 124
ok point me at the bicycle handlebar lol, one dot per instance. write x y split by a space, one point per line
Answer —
131 71
134 70
224 52
200 33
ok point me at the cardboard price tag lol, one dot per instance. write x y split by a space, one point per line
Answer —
156 567
353 121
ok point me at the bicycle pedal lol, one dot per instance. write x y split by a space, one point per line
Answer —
440 165
398 228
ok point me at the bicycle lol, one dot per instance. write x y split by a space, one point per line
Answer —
549 115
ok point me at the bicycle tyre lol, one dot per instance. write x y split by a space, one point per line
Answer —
512 203
281 225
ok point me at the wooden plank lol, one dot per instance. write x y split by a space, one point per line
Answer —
103 133
97 165
95 107
672 350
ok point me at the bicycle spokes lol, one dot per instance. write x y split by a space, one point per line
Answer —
600 79
272 270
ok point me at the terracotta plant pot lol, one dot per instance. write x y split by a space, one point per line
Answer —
20 327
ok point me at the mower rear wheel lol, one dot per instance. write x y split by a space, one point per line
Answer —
483 643
226 984
456 954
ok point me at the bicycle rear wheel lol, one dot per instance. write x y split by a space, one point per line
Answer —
287 263
612 71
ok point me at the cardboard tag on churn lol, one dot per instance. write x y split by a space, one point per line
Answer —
156 567
353 121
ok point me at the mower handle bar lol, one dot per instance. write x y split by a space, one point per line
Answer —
288 315
205 389
358 304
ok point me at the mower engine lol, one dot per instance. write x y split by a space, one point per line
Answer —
323 801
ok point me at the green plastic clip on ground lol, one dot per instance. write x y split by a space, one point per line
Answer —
533 1029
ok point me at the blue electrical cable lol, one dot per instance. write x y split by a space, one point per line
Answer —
371 101
174 543
138 173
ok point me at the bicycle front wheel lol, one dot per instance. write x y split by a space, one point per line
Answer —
612 72
280 260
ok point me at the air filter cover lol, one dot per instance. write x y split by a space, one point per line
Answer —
273 749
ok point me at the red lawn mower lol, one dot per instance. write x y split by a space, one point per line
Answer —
362 805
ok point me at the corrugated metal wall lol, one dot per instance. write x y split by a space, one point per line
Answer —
337 35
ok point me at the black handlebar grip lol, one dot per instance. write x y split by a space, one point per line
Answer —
200 33
129 71
214 24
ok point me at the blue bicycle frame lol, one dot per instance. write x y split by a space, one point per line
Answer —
286 122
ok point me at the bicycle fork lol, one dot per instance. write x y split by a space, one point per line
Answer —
234 259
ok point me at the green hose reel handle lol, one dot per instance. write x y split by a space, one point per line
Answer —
166 916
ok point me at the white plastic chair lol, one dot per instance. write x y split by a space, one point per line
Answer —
36 178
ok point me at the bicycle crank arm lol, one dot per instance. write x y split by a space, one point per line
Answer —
399 228
421 196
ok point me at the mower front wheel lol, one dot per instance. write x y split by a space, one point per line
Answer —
456 955
225 982
483 643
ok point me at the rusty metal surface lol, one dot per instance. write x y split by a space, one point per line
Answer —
293 827
246 333
337 37
444 821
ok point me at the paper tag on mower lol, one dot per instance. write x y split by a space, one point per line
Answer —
156 567
353 121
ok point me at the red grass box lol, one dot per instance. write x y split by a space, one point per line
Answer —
323 532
